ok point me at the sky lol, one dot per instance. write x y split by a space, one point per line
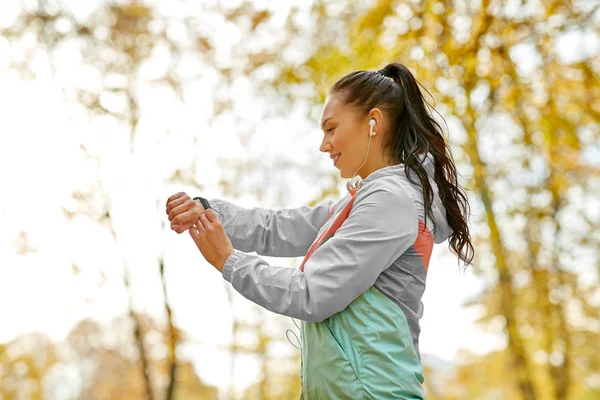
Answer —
41 166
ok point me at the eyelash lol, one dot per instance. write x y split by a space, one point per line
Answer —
328 130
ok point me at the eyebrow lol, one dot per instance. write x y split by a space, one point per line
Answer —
324 121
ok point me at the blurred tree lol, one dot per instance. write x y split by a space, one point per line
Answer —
121 48
24 362
115 41
94 362
115 371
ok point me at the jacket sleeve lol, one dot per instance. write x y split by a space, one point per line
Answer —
278 233
380 227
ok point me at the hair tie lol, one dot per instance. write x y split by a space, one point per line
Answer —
385 73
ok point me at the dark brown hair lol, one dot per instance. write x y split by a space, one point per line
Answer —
414 131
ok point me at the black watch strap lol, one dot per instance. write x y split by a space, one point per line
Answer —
204 202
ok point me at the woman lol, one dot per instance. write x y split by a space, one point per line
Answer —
358 291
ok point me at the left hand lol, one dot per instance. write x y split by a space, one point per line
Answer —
212 241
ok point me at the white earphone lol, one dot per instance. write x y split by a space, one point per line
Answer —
353 185
372 123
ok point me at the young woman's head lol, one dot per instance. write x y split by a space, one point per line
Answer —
404 130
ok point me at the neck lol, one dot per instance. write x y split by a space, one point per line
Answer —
372 165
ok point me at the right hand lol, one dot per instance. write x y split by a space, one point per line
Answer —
183 211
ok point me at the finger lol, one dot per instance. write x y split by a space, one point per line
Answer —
173 197
212 217
174 206
194 233
177 228
183 223
205 222
201 226
179 214
206 217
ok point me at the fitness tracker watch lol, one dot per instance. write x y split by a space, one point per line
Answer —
203 201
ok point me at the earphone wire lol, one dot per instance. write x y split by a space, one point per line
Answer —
294 321
296 336
366 156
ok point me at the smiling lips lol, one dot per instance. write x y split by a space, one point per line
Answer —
335 158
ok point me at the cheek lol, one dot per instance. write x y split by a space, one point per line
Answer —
339 142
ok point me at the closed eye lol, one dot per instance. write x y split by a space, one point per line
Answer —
329 130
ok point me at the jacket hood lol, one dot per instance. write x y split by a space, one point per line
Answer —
443 230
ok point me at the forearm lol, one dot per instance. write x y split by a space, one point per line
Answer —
277 233
282 290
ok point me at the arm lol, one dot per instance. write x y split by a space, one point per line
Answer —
381 226
279 233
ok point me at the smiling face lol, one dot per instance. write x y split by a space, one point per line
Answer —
341 133
347 135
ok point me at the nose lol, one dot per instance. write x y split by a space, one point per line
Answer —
325 146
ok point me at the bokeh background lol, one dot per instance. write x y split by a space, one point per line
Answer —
109 107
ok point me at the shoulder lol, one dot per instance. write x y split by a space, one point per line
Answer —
392 191
385 208
387 203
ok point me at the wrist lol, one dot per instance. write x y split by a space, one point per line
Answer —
222 265
203 202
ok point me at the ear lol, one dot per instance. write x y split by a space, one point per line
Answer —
377 115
